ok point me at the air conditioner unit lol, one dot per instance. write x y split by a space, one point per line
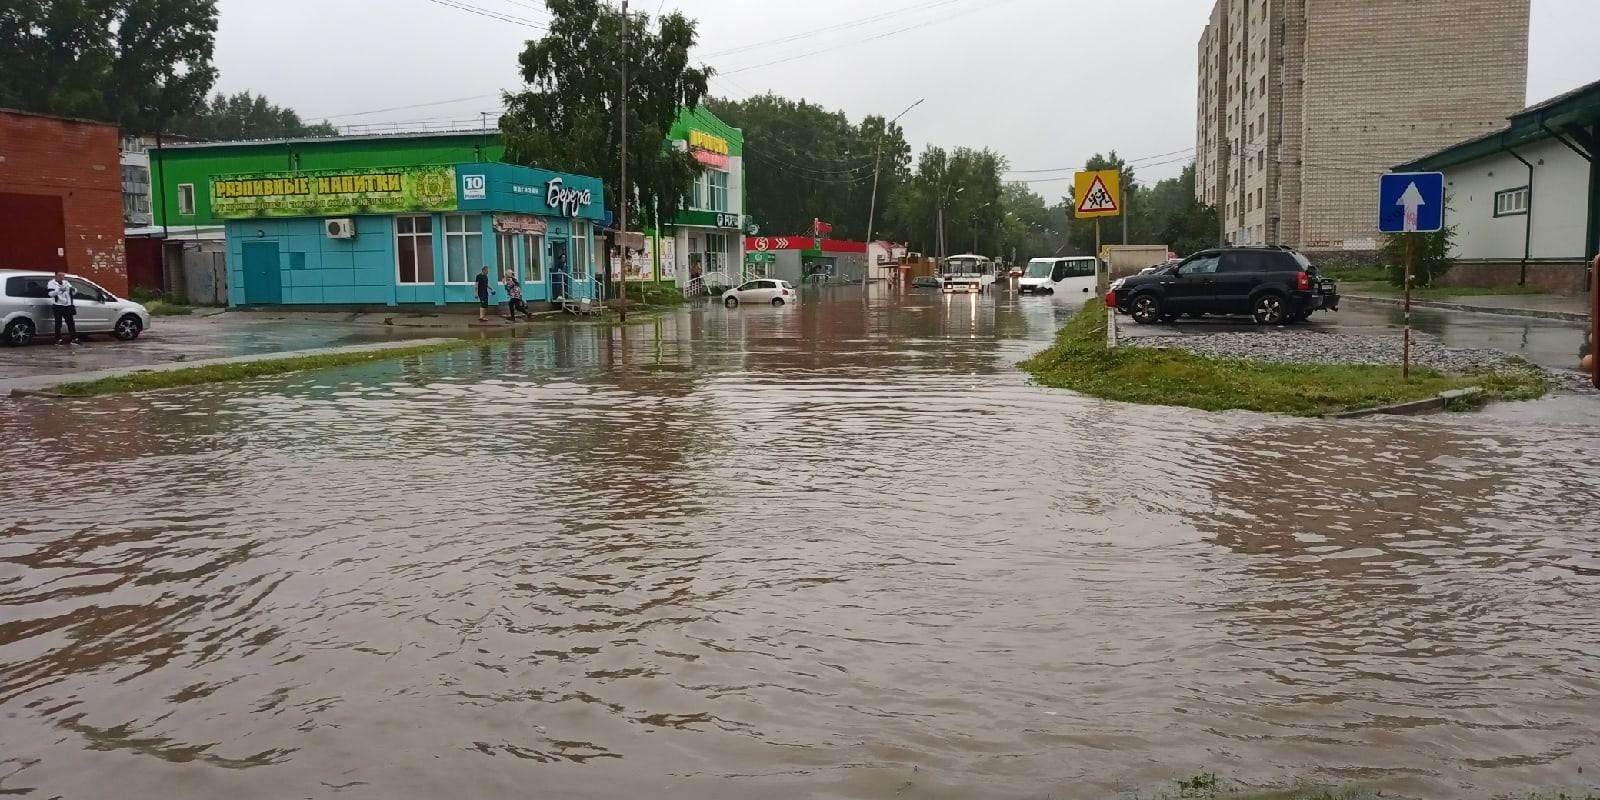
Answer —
340 228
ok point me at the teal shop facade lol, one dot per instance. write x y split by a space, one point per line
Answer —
414 234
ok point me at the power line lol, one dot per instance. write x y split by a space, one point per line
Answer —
885 35
494 15
1128 162
851 23
401 108
1070 177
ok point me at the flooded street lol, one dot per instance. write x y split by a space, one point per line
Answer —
785 553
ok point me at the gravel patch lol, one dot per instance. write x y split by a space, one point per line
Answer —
1308 346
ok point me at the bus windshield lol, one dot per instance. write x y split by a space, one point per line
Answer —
964 266
1039 268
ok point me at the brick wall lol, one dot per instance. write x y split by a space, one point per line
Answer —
79 162
1388 82
1560 277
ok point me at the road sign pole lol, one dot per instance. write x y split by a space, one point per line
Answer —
1096 237
1405 366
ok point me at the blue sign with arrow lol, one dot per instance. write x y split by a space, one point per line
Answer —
1411 202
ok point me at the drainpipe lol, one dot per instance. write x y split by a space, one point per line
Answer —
1527 228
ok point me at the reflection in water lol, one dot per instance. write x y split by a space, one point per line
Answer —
832 550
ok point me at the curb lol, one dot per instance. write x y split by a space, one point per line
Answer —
1537 313
1431 405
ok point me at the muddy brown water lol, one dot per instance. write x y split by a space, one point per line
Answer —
840 550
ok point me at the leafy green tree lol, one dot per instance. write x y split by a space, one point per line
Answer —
566 119
805 162
246 116
1430 255
137 63
1028 227
965 184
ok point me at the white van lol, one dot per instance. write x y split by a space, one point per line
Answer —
1050 275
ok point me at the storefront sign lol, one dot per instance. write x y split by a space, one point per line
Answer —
700 140
520 223
571 202
711 219
709 150
333 192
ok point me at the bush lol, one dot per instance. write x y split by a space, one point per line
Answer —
1430 258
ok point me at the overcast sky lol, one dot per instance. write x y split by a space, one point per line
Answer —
1044 82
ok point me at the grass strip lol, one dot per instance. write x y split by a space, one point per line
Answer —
221 373
1080 360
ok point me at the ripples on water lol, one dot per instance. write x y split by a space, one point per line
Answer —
783 553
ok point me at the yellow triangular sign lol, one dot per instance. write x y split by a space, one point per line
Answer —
1097 199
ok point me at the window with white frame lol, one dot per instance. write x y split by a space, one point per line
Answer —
505 255
463 247
186 199
1511 202
414 249
533 258
716 253
716 190
582 250
709 191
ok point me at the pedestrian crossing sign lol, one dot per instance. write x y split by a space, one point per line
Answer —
1097 194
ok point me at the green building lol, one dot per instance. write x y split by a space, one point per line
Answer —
707 236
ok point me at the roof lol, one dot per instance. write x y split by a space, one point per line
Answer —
80 120
1581 106
481 132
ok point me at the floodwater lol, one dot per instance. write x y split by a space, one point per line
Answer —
835 550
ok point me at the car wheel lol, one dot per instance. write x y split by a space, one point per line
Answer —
730 302
777 301
19 332
1050 291
1270 309
1146 309
128 328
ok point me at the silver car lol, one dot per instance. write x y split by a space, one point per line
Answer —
25 308
763 291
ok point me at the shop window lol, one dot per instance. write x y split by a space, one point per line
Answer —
186 199
505 255
582 250
463 247
414 249
532 258
1511 202
716 253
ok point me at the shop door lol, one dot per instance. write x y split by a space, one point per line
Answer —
33 232
556 254
262 284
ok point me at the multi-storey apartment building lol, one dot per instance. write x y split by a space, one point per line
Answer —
1303 103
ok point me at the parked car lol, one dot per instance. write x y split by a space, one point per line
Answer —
926 282
25 308
1049 275
765 290
1274 285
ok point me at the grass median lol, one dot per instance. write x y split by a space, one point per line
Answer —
1080 360
245 370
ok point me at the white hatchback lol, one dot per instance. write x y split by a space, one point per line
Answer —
25 308
764 291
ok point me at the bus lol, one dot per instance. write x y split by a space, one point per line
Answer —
967 273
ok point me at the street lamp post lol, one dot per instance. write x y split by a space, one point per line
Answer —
872 208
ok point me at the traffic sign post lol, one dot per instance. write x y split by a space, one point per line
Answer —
1097 194
1410 203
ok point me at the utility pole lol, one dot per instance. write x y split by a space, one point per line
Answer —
622 183
877 160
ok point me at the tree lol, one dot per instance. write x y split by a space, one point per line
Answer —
136 63
965 185
567 119
1430 255
245 116
805 162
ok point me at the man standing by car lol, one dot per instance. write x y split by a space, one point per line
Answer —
61 307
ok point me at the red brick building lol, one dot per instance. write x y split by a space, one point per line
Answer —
61 197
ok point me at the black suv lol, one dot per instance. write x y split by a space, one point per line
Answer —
1275 285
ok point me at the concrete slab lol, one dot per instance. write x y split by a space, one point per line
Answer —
36 384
